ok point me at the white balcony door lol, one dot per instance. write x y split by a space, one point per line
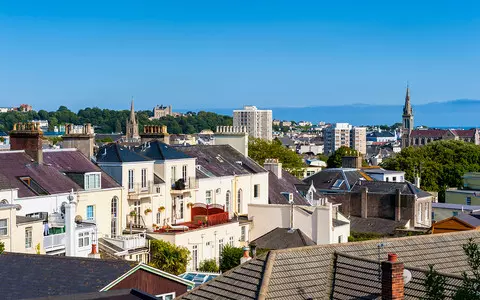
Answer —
179 209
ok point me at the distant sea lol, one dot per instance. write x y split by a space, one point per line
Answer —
450 114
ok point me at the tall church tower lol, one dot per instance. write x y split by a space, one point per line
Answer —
407 122
132 126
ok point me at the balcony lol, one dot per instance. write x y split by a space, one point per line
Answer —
139 190
54 242
128 242
182 185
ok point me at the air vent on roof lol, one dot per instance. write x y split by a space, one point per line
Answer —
219 158
239 162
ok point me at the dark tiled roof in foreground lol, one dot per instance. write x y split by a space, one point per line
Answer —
132 294
30 275
303 273
160 151
283 238
116 153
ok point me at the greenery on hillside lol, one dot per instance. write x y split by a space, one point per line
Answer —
442 164
108 121
259 150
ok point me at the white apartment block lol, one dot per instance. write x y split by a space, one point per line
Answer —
257 121
344 134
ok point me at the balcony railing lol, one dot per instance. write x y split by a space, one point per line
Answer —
128 242
147 188
54 241
184 184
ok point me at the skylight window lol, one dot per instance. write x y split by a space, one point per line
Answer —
33 185
338 183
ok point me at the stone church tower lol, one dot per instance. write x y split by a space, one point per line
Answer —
407 122
132 126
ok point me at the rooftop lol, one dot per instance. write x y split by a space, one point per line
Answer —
160 151
116 153
287 183
306 272
55 275
283 238
337 179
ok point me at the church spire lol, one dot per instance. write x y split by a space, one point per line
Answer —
132 113
407 108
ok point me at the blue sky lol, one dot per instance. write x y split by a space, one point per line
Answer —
224 54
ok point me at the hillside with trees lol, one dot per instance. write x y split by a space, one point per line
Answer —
108 121
441 164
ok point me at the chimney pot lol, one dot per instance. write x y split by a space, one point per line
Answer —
392 257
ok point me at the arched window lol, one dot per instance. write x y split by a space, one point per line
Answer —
239 201
4 201
114 211
227 201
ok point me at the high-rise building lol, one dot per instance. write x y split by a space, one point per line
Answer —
258 122
132 126
344 134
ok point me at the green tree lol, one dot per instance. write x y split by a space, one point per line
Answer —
2 247
322 157
230 257
440 164
260 149
118 126
168 257
208 265
335 160
434 285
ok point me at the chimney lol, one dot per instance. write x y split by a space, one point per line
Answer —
363 202
398 205
246 255
70 211
27 137
417 180
80 137
392 278
94 253
272 164
354 160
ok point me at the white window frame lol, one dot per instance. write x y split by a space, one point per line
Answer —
195 257
243 233
28 237
84 240
173 171
228 200
4 227
93 181
256 190
184 172
163 296
208 196
131 177
144 178
220 248
231 241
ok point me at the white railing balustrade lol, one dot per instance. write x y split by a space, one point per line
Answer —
54 241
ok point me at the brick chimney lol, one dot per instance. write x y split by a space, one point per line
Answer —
364 202
272 164
155 132
27 137
392 278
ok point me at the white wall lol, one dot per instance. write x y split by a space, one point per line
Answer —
207 240
317 225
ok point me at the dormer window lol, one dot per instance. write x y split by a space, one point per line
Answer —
92 181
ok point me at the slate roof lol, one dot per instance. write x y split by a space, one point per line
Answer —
325 179
285 184
116 153
406 188
283 238
132 294
473 220
160 151
306 272
464 133
378 134
380 171
430 133
221 160
26 220
30 275
455 206
375 225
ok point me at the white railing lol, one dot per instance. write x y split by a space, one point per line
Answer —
128 242
54 241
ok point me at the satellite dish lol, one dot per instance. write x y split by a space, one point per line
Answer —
78 219
62 207
407 276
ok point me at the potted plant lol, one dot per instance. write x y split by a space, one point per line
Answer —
189 204
161 208
148 210
133 213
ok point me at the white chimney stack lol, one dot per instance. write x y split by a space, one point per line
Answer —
272 164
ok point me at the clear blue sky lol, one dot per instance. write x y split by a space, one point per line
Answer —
223 54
